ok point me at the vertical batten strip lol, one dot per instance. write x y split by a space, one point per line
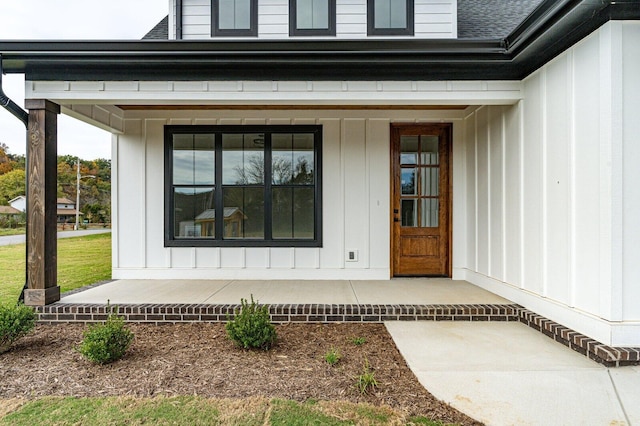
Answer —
545 181
571 188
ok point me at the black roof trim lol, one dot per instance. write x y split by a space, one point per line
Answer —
554 26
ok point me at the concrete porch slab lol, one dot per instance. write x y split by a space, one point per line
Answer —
505 373
401 291
423 291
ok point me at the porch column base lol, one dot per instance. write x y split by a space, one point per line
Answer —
41 297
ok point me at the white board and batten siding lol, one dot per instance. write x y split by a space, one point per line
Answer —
356 206
551 188
433 19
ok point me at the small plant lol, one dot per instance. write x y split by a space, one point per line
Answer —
358 341
15 322
108 342
251 327
366 381
332 357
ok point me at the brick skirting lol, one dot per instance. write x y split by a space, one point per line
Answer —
319 313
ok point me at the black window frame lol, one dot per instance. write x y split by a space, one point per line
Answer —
268 130
371 22
293 22
215 22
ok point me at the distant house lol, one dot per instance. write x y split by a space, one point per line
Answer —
65 208
8 211
489 141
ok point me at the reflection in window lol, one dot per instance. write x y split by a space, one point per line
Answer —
192 205
390 17
262 186
312 17
234 17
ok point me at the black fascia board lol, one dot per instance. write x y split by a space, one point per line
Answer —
229 60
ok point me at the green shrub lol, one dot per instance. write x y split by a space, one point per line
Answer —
332 357
358 341
251 327
108 342
366 381
16 321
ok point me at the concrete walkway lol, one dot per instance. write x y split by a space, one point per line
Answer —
505 373
20 239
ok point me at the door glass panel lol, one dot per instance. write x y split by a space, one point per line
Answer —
409 213
409 150
429 147
430 181
429 213
408 181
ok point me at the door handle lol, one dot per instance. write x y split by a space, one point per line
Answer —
395 219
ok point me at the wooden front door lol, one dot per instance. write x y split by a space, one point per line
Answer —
420 199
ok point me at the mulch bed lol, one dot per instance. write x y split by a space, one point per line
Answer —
199 359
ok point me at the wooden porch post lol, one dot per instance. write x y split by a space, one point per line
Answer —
42 150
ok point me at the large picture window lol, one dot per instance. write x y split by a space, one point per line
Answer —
234 18
390 17
243 186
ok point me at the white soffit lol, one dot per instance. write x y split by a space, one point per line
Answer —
277 92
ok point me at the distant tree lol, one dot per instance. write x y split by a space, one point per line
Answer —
12 184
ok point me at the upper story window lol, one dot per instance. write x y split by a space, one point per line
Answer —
312 17
243 186
234 18
390 17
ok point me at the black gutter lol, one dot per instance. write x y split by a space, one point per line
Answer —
23 116
552 28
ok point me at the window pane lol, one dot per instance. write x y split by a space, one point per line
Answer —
193 159
194 214
408 182
429 150
312 14
390 14
293 213
234 14
243 159
292 159
243 213
408 150
282 207
430 181
430 210
303 217
409 213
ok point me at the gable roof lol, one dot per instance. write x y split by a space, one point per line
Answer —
487 19
9 210
160 31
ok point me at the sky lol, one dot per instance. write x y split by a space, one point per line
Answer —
70 20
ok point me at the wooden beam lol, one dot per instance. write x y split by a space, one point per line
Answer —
42 149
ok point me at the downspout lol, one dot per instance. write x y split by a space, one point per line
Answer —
23 116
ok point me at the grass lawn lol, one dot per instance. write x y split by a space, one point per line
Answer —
191 410
81 261
12 231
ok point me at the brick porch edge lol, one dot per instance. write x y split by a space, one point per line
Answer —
319 313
